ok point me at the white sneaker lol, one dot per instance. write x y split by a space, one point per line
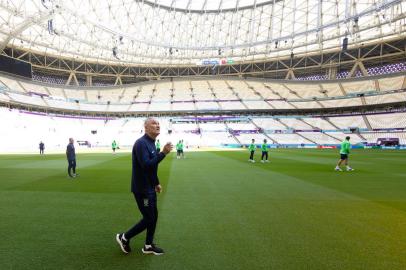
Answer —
349 169
262 161
253 161
266 160
338 169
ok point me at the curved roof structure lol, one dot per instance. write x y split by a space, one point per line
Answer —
185 32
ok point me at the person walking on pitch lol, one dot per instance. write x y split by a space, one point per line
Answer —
181 146
114 146
158 146
344 153
71 156
264 149
144 186
41 148
178 150
251 148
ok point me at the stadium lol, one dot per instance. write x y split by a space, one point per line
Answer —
224 79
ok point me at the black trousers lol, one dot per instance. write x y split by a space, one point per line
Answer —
41 151
147 204
252 155
264 154
71 166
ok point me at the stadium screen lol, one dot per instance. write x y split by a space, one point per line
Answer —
388 141
15 66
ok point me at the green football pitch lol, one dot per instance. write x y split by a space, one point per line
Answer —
217 211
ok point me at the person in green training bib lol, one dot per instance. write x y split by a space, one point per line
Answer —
344 152
158 146
251 148
264 149
178 147
114 146
181 149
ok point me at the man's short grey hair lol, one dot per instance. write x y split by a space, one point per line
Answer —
148 120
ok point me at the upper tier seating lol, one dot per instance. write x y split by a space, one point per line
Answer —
209 94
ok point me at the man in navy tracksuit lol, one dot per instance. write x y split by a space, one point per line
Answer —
71 156
144 185
41 148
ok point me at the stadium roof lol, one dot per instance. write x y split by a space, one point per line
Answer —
177 32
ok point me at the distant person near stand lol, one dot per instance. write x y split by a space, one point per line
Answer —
182 146
252 148
178 150
71 156
158 146
41 148
114 146
264 149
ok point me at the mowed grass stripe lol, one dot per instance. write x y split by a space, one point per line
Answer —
106 174
378 181
34 168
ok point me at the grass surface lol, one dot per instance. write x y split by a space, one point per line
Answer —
217 211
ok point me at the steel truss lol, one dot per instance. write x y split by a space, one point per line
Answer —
357 57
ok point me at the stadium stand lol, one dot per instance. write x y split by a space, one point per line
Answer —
213 94
346 122
216 95
200 133
395 120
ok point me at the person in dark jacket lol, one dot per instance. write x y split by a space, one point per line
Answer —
144 185
71 156
41 148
